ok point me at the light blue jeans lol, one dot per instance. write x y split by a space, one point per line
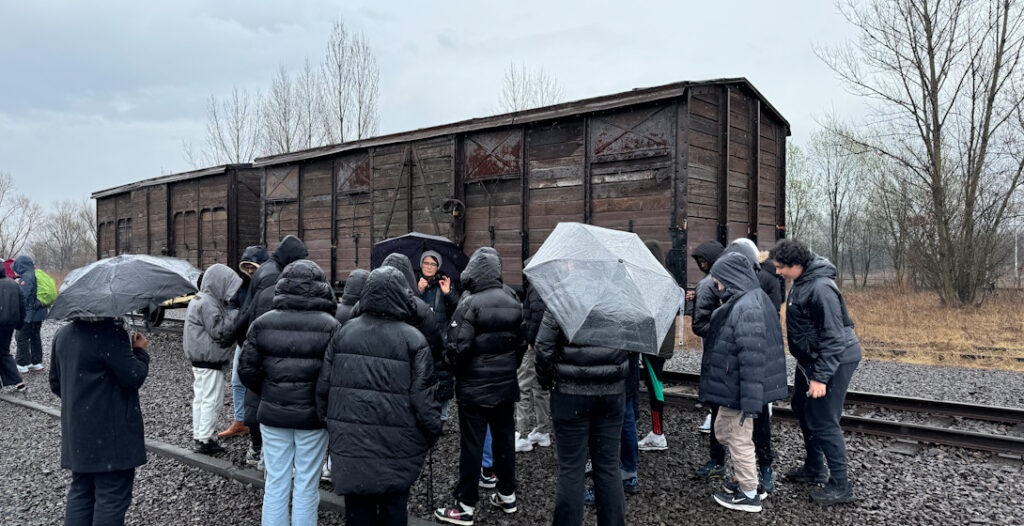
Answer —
284 449
237 389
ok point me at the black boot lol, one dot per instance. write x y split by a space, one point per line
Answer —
806 474
834 492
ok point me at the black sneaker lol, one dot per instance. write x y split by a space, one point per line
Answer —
209 447
765 479
740 502
488 480
712 470
454 514
807 475
834 493
501 501
731 487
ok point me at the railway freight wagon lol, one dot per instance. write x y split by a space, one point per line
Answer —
681 163
205 216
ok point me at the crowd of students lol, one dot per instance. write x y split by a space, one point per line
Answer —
365 383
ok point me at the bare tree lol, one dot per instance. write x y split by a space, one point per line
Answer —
311 106
522 89
801 195
337 74
64 239
19 215
838 175
232 130
946 82
281 122
366 88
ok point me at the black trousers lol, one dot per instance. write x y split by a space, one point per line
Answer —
377 510
819 420
9 374
99 499
473 422
762 439
588 424
30 344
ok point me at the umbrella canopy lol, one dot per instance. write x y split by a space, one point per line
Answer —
604 287
414 244
123 284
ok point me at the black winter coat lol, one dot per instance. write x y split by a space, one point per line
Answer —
254 254
423 318
12 309
744 365
706 298
349 298
97 375
284 350
818 326
376 392
485 339
577 369
533 313
770 284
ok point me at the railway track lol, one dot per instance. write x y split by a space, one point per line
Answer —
1002 444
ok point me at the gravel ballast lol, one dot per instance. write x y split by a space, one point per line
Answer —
935 485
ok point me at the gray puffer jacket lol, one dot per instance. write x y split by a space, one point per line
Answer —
209 323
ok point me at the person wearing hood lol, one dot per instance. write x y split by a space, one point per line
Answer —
376 393
280 363
436 288
207 340
259 300
822 339
96 370
252 258
30 343
654 367
746 369
12 318
423 318
765 278
536 402
485 347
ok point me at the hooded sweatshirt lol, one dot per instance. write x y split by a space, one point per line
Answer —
486 342
209 321
26 270
744 365
706 295
353 288
256 255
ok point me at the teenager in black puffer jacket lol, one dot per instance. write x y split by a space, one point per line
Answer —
350 297
376 392
280 363
485 347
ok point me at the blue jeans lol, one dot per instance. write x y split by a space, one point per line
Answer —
284 449
629 450
237 389
488 458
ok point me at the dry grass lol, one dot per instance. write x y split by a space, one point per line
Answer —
915 327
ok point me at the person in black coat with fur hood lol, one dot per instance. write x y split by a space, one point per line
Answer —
745 370
485 347
280 363
376 392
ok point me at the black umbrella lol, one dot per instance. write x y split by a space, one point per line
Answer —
123 284
414 244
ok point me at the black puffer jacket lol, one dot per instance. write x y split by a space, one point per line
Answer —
818 326
533 313
706 298
485 339
376 392
577 369
349 298
255 254
12 309
281 359
423 318
745 361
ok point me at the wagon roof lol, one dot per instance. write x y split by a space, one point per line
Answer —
594 104
169 178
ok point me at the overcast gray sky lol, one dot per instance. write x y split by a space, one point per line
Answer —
97 94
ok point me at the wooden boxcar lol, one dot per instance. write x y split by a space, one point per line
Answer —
681 163
205 216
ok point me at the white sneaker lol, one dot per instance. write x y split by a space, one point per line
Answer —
706 426
22 369
325 473
540 439
523 445
36 367
653 442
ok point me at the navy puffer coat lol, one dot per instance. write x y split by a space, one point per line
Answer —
285 347
745 362
376 392
485 339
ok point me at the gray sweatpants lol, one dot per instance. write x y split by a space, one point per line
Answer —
533 400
